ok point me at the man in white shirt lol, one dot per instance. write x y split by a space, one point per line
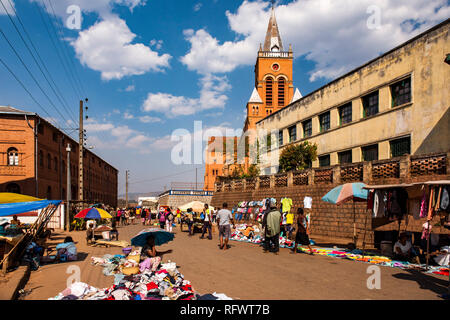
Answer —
224 217
403 249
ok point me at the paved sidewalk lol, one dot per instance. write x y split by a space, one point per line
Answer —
245 272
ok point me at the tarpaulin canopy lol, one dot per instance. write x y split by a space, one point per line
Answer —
10 209
8 197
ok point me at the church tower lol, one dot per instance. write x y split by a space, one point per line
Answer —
273 77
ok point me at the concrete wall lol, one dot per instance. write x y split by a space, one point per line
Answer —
425 119
333 222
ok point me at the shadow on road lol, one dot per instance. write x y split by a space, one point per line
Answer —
425 281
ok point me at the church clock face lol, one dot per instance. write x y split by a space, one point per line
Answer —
275 67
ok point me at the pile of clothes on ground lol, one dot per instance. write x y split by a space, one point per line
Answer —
167 283
356 255
247 233
251 233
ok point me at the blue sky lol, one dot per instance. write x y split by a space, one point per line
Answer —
151 67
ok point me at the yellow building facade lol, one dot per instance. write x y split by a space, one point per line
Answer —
395 104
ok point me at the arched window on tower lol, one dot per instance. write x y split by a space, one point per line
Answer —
49 161
269 93
13 157
281 92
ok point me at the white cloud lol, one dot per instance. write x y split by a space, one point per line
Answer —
128 115
156 43
198 6
148 119
10 7
130 88
321 30
107 47
211 97
108 136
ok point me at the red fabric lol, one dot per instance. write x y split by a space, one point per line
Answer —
151 286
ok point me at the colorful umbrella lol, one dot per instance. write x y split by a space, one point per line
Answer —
93 213
161 236
346 192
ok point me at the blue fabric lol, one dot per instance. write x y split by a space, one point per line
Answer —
10 209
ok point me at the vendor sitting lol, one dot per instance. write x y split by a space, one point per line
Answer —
67 251
15 221
89 234
149 256
114 233
404 251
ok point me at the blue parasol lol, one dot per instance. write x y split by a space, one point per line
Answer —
161 237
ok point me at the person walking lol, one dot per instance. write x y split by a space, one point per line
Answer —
162 219
178 212
272 226
169 220
207 222
224 218
190 221
302 237
143 216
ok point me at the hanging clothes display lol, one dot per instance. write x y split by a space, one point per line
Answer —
307 202
424 205
378 204
286 204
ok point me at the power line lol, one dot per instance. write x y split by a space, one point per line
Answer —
31 74
23 86
33 56
78 94
61 30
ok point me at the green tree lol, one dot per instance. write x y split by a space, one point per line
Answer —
253 171
297 157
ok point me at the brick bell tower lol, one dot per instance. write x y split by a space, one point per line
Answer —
274 87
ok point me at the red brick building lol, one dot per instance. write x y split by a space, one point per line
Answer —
33 161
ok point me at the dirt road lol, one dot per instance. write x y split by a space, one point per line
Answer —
245 272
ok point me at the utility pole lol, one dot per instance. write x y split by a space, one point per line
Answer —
126 188
196 179
68 191
80 155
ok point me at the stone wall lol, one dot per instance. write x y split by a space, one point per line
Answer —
336 222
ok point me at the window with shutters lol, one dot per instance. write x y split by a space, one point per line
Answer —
400 147
280 138
13 157
307 128
324 120
370 153
292 133
269 92
370 104
324 161
401 92
345 114
345 157
281 91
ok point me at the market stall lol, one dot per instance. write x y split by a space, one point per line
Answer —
16 243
